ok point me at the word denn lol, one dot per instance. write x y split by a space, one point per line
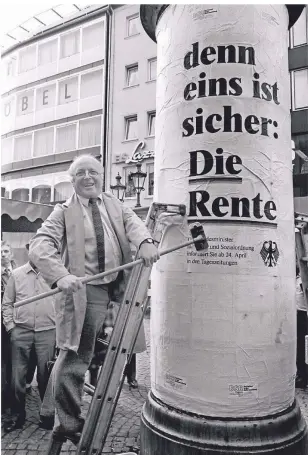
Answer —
223 54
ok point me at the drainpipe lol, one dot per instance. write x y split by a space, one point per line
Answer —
106 89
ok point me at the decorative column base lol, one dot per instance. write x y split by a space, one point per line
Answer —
169 431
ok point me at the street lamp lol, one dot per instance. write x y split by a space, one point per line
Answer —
138 180
119 188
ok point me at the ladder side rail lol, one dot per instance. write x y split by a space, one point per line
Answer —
109 401
111 358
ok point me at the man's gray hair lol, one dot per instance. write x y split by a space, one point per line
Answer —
5 243
71 169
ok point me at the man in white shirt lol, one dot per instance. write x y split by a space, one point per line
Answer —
30 327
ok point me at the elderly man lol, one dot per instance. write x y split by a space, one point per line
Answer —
88 234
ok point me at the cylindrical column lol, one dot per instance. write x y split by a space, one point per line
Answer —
223 321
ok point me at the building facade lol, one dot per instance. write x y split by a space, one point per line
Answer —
52 107
132 111
88 85
298 66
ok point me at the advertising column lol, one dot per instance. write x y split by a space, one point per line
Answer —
223 321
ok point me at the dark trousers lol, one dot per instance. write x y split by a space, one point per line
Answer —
70 367
130 369
6 369
300 355
22 341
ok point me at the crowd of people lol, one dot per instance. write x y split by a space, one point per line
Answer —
57 336
90 233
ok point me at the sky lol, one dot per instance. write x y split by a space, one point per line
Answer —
13 14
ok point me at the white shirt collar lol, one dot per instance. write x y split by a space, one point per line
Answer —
85 201
8 267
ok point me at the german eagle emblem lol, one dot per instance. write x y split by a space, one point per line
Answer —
270 253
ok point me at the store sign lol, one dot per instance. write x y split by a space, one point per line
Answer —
68 90
25 103
224 318
46 97
139 154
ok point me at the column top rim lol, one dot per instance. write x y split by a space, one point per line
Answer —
149 15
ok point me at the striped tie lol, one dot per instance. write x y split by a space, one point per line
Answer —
99 233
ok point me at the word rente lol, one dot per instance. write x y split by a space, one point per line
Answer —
203 164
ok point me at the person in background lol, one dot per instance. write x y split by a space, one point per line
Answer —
87 235
301 380
29 326
7 267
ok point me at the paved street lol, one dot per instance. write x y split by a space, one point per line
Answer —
124 432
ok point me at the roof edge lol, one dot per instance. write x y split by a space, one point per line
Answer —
85 16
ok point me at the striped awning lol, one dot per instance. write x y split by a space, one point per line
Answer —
31 210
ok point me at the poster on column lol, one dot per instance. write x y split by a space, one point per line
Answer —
238 167
223 148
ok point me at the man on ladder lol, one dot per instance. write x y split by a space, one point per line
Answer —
87 235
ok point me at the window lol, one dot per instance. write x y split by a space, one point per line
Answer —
132 24
130 189
90 132
93 36
91 84
68 90
151 123
150 172
10 67
42 194
6 150
132 75
300 89
301 144
152 69
69 44
27 59
63 191
131 128
21 194
43 142
2 191
47 52
300 29
66 138
22 147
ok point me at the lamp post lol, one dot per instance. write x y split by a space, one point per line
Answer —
138 179
119 188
